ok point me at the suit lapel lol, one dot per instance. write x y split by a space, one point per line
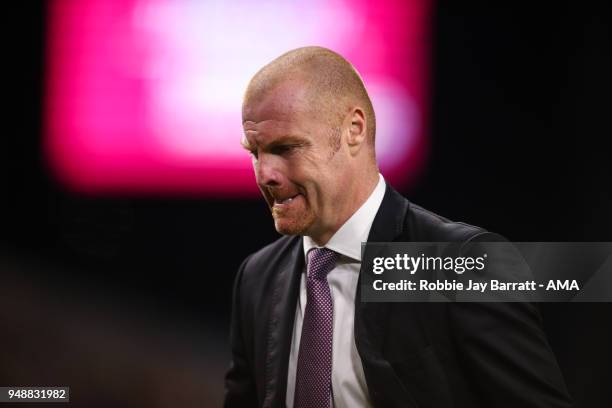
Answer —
371 318
280 329
389 223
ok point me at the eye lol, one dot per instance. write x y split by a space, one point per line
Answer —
282 149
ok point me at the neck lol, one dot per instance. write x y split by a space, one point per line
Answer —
362 191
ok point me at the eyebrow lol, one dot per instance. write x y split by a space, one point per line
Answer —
284 140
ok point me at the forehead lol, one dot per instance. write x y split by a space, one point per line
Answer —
281 111
284 101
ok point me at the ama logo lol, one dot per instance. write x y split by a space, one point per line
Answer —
562 285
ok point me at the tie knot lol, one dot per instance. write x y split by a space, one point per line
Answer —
320 262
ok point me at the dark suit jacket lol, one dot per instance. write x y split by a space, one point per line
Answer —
413 354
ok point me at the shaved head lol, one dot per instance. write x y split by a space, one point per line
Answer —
332 85
309 126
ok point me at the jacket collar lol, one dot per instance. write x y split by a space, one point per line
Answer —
389 223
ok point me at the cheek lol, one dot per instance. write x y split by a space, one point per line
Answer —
322 192
315 176
334 185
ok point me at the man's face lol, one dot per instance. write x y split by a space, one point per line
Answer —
299 169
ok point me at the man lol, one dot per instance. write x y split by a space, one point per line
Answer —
300 335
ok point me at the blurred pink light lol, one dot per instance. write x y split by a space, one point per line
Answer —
144 96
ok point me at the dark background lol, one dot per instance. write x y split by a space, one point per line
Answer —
127 299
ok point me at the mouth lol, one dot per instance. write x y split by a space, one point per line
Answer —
284 200
281 203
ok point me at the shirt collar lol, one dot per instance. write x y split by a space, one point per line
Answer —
347 240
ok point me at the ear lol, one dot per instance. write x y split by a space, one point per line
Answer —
356 122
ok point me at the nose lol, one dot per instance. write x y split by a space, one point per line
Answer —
267 171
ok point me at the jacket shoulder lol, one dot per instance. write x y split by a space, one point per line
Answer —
426 226
273 251
258 268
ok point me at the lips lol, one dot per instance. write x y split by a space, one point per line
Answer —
286 200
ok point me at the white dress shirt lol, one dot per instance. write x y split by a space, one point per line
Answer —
348 380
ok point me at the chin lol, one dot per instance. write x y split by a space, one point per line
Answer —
283 229
290 227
